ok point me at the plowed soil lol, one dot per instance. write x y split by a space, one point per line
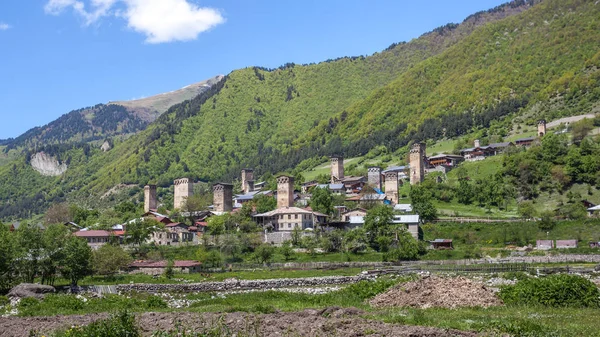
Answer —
438 292
328 322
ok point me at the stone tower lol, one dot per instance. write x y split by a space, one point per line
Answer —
247 177
183 189
391 186
223 197
476 143
541 128
337 169
374 177
150 198
417 165
285 191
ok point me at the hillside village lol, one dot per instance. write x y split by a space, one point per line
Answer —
444 185
292 212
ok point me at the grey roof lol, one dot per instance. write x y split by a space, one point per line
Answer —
406 219
504 144
524 139
332 186
373 196
395 169
403 207
442 155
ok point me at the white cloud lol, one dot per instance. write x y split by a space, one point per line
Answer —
4 26
160 20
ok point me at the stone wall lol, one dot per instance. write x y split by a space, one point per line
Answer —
244 284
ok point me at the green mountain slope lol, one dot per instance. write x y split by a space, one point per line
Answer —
543 63
266 119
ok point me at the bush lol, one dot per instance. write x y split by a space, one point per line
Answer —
67 302
155 302
28 302
4 300
368 289
119 325
555 291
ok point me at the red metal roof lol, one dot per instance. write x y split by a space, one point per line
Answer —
119 233
175 224
94 233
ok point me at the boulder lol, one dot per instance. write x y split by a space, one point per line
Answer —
24 290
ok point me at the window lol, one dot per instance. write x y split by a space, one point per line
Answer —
296 216
289 225
289 216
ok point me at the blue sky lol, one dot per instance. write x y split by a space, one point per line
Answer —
60 55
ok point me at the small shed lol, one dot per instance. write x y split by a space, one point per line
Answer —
544 244
564 244
442 244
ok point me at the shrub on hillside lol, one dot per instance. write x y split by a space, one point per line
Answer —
119 325
555 291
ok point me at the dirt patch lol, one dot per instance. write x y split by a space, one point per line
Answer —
438 292
327 322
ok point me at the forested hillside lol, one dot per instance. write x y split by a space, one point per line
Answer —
82 125
543 63
448 82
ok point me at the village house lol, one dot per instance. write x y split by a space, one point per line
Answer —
334 188
357 212
159 267
446 160
174 234
481 152
525 142
94 238
288 218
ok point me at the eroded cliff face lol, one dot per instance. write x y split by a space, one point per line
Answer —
47 165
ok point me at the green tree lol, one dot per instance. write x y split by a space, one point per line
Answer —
527 209
209 258
231 246
8 265
77 263
53 239
264 253
110 259
422 203
377 223
30 245
355 240
139 231
321 200
286 250
169 272
264 203
408 248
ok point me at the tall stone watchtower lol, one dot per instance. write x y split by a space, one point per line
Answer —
374 177
183 190
150 198
541 128
391 186
337 169
247 180
285 191
417 164
223 197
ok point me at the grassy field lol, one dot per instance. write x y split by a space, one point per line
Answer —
210 277
502 320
